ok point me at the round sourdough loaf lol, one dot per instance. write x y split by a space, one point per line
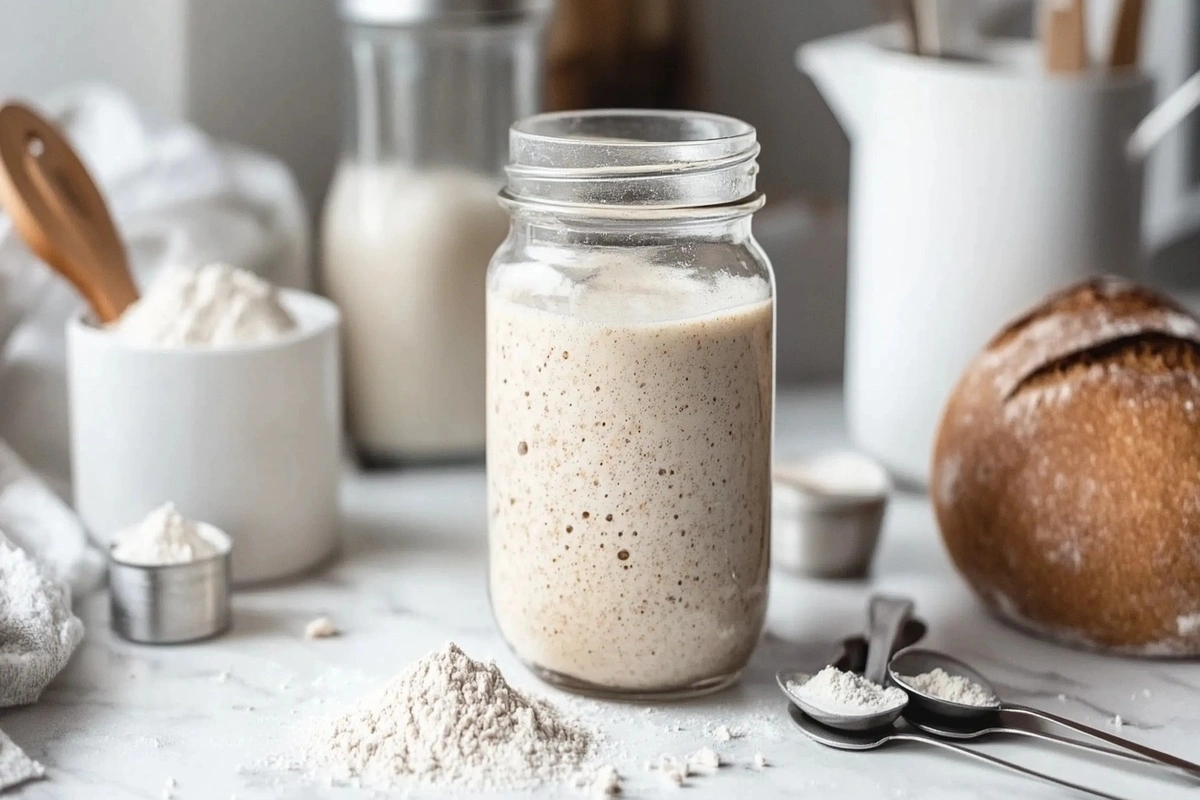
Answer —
1066 472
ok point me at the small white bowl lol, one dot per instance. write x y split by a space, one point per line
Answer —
246 437
827 514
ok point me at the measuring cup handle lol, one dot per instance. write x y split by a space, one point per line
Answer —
999 762
1163 118
1193 770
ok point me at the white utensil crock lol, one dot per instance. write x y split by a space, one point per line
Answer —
976 188
246 438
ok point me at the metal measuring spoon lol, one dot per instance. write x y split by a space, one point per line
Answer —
917 662
868 740
940 726
885 619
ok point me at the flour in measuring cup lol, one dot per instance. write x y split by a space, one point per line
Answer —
214 306
164 537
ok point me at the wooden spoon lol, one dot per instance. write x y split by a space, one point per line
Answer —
1065 39
1127 34
59 213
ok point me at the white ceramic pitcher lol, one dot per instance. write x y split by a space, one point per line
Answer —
976 188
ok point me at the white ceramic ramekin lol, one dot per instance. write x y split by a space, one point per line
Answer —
246 438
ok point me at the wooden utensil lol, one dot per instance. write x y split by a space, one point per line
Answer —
59 213
1127 34
1065 40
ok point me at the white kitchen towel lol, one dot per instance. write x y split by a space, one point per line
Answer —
43 554
38 631
38 521
15 766
178 198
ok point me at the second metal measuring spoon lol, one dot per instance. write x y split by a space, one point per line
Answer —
885 619
918 662
955 729
869 740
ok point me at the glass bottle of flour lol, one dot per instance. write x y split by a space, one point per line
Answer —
412 219
630 380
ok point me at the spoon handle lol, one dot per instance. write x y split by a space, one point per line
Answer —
1067 741
885 618
998 762
1192 769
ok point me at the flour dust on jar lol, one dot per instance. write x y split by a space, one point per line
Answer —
411 220
630 383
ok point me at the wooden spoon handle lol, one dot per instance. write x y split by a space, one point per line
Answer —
59 213
1127 34
1065 38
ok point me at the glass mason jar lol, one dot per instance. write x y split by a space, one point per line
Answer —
630 381
412 219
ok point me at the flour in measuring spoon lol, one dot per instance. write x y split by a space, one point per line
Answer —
836 692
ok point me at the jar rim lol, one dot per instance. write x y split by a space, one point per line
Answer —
632 158
561 126
415 13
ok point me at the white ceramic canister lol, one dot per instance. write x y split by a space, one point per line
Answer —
976 188
244 437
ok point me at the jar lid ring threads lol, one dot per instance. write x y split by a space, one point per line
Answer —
632 159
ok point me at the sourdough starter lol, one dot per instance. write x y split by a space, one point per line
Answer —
629 445
405 255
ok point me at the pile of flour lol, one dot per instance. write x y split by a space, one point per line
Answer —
164 537
213 306
452 721
838 692
954 688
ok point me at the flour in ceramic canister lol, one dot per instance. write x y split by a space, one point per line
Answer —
449 720
954 688
164 537
216 305
837 692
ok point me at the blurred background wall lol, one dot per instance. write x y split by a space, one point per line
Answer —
267 73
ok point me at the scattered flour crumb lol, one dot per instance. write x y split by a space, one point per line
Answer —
705 759
1145 692
1062 698
674 770
760 761
722 733
222 676
320 628
602 781
1117 722
168 791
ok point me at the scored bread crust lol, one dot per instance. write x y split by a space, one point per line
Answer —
1066 471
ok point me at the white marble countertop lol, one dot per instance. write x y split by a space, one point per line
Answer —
128 721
